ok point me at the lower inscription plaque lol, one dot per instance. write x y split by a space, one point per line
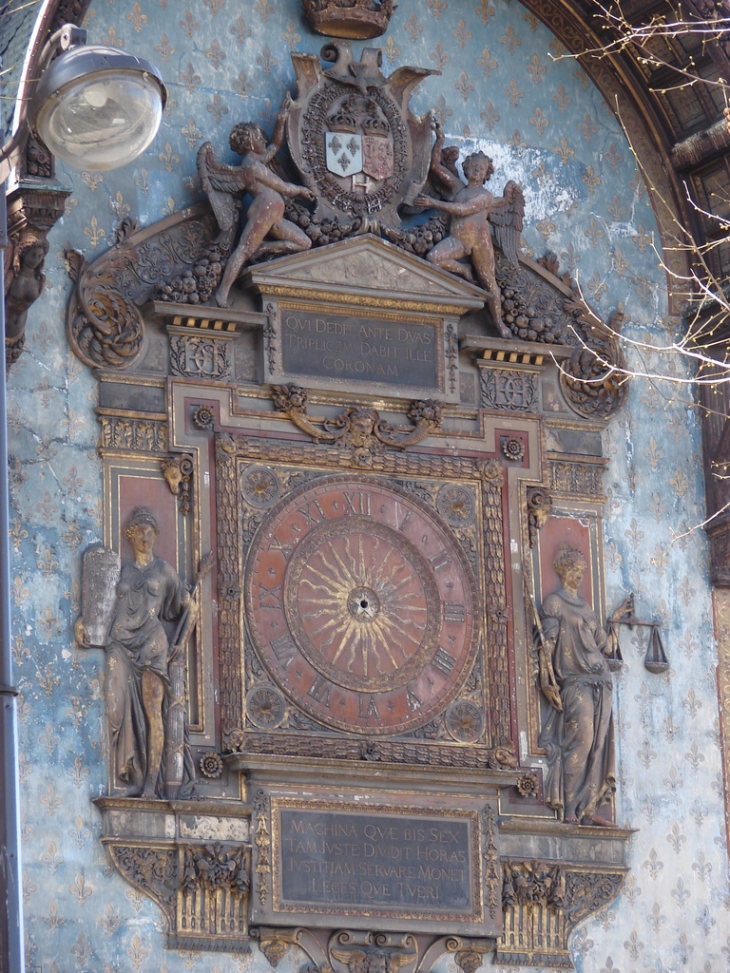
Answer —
376 861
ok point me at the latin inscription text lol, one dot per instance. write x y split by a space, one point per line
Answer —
335 346
375 860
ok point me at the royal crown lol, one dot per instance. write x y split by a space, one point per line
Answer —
353 19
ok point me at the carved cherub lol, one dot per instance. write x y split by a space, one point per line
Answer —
23 286
471 210
372 960
265 216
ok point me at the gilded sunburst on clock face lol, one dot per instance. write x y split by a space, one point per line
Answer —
361 605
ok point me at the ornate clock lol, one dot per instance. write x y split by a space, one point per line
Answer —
361 605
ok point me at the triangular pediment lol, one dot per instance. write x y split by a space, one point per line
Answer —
367 266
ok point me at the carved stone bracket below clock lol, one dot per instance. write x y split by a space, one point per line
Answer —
350 951
194 861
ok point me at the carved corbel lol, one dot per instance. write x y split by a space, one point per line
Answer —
152 871
33 210
469 954
354 952
178 471
539 504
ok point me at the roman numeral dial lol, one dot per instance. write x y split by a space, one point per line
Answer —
362 605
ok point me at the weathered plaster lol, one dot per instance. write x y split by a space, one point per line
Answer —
586 202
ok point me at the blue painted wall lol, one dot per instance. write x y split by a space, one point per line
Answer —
505 88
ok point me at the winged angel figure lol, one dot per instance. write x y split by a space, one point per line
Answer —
471 209
265 217
372 960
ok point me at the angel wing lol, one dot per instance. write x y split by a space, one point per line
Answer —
397 960
348 956
220 183
506 215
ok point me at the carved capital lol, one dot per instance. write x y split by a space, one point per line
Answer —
543 902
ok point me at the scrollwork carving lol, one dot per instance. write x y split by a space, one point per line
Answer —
105 327
539 504
177 471
151 870
357 427
107 330
588 892
594 379
372 952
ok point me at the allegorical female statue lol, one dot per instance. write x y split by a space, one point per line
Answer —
575 678
138 652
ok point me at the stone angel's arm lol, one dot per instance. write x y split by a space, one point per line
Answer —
277 138
506 216
452 183
220 183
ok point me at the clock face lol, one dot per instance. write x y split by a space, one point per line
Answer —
361 605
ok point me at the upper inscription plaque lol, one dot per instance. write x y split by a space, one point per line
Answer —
362 606
398 351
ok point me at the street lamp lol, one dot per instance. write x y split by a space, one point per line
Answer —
94 108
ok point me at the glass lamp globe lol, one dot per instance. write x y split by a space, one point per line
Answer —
97 107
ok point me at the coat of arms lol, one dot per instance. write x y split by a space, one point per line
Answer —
353 138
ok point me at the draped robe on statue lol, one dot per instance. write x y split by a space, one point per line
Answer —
579 740
137 642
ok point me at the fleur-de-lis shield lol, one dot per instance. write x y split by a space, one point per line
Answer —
344 153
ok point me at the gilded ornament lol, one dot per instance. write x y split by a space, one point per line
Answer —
357 427
203 417
211 765
527 785
513 448
464 721
455 504
259 486
265 707
539 504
